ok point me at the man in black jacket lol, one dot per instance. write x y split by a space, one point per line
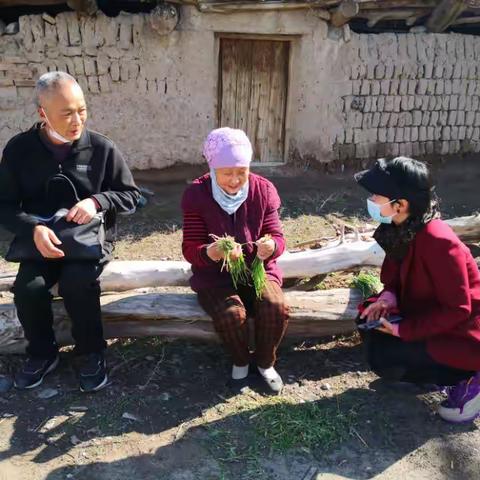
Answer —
61 143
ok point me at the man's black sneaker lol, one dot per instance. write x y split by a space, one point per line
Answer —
92 372
33 372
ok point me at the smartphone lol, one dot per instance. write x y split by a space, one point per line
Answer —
378 323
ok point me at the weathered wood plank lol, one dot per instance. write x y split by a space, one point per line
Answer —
312 314
229 82
262 64
244 82
277 101
253 109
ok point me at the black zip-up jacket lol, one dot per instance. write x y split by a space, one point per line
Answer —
95 166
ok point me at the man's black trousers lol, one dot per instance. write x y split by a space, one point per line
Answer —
78 285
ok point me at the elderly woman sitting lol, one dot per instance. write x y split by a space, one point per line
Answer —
230 200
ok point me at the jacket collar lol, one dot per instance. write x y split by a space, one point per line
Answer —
81 144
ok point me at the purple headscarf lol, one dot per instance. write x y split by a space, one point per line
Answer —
227 147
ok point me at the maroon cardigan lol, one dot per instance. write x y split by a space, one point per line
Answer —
256 217
438 290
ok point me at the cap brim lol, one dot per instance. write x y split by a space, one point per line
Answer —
377 182
368 179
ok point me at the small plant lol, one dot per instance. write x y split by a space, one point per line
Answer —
236 267
368 283
259 276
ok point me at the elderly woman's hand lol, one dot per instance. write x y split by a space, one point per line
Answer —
265 247
216 254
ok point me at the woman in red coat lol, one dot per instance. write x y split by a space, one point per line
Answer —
431 278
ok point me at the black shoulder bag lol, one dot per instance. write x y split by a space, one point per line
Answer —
79 242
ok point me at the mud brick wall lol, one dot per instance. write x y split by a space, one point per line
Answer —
351 97
412 94
126 84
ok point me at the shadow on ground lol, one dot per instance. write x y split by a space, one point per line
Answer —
184 424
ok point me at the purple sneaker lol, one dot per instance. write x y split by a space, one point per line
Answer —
463 402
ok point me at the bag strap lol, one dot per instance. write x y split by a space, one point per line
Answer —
61 176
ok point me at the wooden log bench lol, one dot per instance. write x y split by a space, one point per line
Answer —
313 314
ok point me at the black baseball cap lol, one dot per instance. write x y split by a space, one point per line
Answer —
379 180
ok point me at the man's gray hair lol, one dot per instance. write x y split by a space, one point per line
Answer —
50 81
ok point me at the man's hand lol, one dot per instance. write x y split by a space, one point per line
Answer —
45 241
265 247
82 212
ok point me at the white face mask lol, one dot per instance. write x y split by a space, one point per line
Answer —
52 132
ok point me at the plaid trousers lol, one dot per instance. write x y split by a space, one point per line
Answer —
230 309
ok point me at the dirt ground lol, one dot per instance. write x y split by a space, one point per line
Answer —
167 413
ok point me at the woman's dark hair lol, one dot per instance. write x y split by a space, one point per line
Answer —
413 177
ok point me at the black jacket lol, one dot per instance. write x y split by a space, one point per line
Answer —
95 166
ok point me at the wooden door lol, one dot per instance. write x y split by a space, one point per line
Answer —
253 93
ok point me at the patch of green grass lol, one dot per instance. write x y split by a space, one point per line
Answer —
368 283
256 428
230 450
284 425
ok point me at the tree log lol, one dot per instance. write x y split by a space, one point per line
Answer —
467 228
444 14
120 276
344 13
312 314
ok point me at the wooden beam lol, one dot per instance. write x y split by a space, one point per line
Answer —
466 21
446 12
372 5
344 13
312 314
267 6
86 6
34 3
409 15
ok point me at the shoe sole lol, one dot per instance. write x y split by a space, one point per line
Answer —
460 421
98 387
51 368
470 413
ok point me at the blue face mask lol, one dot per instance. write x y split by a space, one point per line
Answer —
374 211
